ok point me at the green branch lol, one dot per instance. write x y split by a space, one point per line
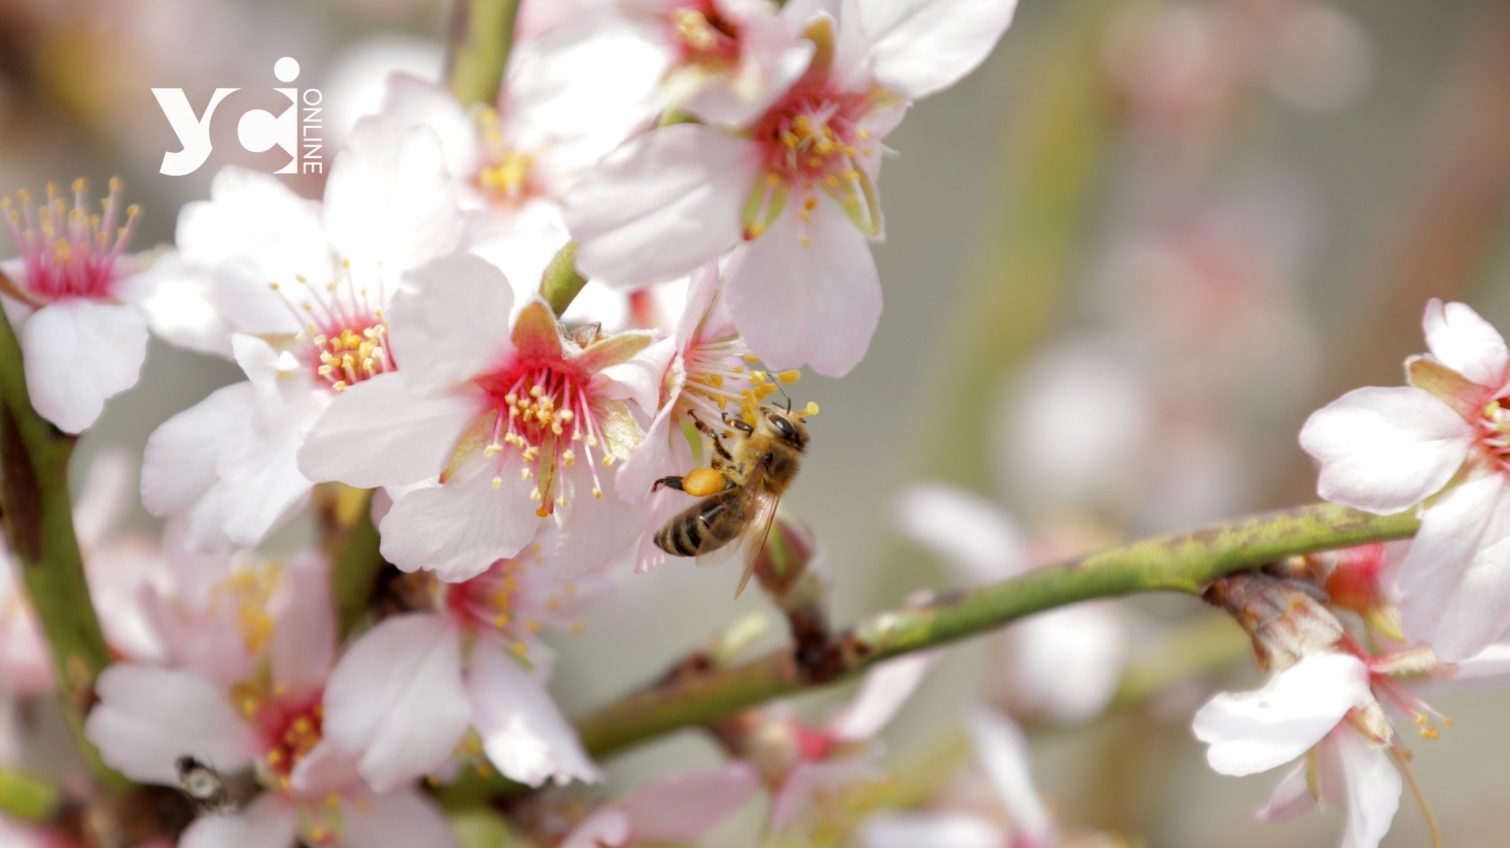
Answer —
28 798
482 31
38 512
561 282
1184 562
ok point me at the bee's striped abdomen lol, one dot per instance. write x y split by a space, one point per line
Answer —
701 528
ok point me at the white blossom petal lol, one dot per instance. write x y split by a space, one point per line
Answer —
1371 787
915 830
79 354
396 699
1291 796
663 204
523 732
460 528
1250 732
1462 340
450 320
883 692
1003 752
183 452
1385 449
384 432
684 807
972 534
807 293
919 47
1455 579
149 717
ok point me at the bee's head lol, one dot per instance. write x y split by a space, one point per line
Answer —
787 425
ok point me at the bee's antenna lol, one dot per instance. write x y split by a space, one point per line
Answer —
788 397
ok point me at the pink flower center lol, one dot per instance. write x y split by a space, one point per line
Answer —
507 176
544 415
289 728
702 35
718 375
345 331
812 135
1494 432
70 252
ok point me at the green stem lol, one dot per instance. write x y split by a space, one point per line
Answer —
482 31
351 544
1181 563
28 798
561 282
38 511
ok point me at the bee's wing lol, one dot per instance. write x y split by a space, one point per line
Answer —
752 541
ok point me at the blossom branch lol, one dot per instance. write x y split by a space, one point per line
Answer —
561 281
38 511
1181 563
482 31
351 545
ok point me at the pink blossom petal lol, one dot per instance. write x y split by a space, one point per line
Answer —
303 644
149 717
105 496
78 354
915 830
450 320
326 769
919 47
1385 449
385 432
1455 579
1003 752
459 529
1250 732
268 822
805 781
398 820
523 732
607 826
390 203
1370 790
1291 797
662 204
1463 341
973 535
396 699
882 693
807 293
684 807
640 377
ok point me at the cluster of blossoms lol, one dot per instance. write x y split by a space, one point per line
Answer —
714 164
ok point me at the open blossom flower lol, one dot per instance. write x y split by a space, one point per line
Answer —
796 185
1443 441
673 810
74 296
1321 711
1002 751
1064 664
405 694
264 712
305 286
503 424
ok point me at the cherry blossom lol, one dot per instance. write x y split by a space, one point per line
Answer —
75 297
677 809
490 427
403 697
794 188
305 286
1063 665
1322 711
1442 442
263 710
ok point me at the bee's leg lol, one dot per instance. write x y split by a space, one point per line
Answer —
667 482
738 423
720 451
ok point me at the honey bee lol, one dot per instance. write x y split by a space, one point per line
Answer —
741 487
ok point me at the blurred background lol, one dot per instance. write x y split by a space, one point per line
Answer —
1124 260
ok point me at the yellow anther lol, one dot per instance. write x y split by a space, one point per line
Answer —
497 483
